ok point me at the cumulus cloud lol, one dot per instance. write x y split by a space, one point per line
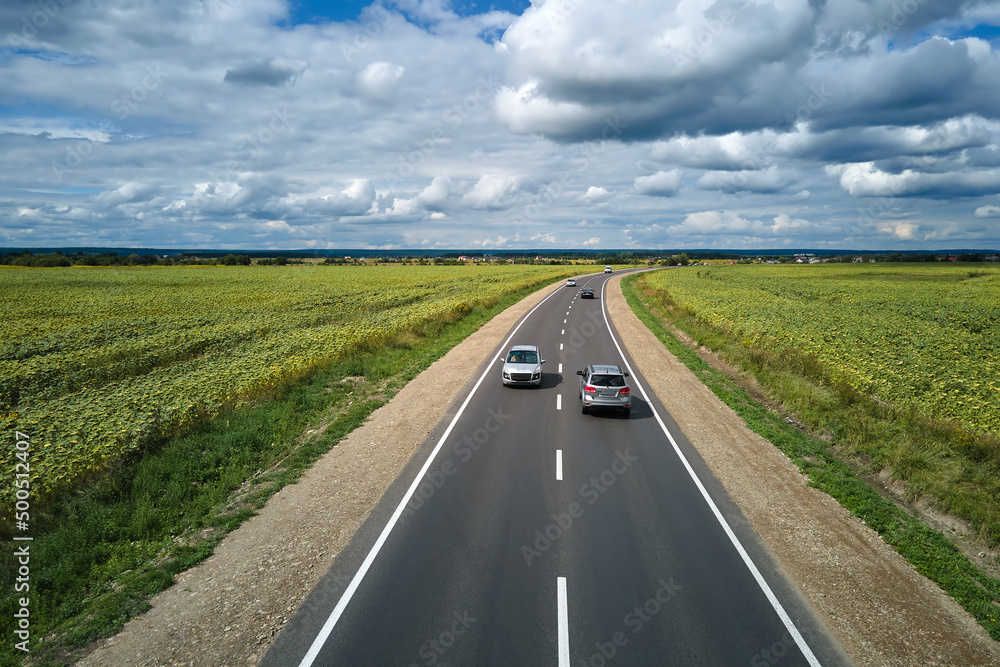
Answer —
126 193
867 180
596 194
435 195
378 80
660 184
677 67
904 230
988 212
491 192
730 223
356 199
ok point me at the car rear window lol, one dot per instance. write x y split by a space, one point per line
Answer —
607 380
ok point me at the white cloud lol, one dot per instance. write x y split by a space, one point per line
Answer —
660 184
865 179
904 230
435 195
491 192
729 223
378 80
596 194
988 212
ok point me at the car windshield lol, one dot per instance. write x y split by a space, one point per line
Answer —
607 380
522 357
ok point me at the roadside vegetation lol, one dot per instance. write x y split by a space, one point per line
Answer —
842 431
121 533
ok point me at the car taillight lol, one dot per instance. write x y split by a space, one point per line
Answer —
624 391
589 389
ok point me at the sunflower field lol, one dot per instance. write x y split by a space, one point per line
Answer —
924 336
97 361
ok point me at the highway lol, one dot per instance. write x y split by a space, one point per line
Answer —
527 533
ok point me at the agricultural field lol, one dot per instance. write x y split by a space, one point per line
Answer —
97 361
922 336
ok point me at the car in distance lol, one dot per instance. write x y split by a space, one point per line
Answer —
523 367
608 269
586 293
605 386
571 282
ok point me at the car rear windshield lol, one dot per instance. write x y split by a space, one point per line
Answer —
522 357
607 380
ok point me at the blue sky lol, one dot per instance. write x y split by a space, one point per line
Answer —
562 123
318 11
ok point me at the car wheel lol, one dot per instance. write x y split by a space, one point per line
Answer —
583 408
626 412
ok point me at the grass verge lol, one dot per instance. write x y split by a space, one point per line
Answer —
99 554
928 550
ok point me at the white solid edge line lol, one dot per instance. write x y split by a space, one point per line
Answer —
771 597
563 621
335 615
558 465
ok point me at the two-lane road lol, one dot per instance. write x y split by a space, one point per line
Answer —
532 534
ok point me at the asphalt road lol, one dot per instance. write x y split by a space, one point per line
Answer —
527 533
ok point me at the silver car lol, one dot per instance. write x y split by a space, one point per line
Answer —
523 366
605 386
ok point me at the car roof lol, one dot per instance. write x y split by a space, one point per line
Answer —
524 347
605 369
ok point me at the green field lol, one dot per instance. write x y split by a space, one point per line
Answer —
852 438
97 361
914 336
898 366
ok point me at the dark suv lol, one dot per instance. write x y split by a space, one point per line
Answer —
605 386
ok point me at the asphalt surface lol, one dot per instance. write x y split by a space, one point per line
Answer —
526 533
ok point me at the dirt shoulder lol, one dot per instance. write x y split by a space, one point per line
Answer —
227 610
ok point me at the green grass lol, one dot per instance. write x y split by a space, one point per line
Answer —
929 551
100 553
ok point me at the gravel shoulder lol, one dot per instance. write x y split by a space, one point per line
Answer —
227 610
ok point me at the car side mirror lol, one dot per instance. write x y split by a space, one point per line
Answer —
625 374
579 372
543 361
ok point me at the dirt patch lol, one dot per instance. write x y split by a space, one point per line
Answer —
227 610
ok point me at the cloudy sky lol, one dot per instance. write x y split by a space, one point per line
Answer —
863 124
